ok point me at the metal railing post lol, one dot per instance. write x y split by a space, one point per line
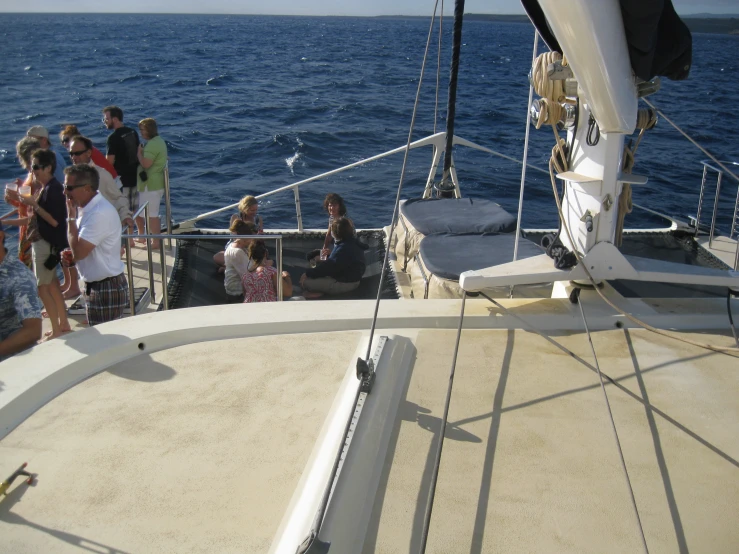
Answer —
129 267
715 209
700 200
148 253
296 193
163 266
279 269
733 221
167 204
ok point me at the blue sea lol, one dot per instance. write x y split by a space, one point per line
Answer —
250 103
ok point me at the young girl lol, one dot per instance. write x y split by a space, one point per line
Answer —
248 207
260 281
334 205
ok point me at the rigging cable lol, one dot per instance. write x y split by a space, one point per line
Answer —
683 133
613 427
396 208
438 64
525 155
440 444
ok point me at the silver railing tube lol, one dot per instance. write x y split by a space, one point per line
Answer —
700 200
733 219
148 253
129 259
163 269
167 204
296 192
129 270
715 210
278 247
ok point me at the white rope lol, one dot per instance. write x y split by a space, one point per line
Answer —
543 85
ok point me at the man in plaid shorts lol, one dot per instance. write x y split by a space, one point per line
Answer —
94 236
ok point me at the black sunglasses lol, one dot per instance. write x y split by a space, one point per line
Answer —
36 167
65 140
72 187
78 153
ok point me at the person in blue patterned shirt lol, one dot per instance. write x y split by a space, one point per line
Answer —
20 305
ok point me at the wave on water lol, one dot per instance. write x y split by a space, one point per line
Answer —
290 162
219 80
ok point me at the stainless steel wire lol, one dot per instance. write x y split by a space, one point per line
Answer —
613 428
440 444
396 209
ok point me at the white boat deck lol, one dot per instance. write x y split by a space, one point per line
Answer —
191 444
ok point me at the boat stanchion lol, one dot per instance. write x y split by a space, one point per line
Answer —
5 485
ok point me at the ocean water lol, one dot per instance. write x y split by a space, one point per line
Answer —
250 103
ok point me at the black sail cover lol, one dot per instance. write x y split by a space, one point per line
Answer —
659 43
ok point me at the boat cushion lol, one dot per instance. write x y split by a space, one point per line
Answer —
448 256
457 215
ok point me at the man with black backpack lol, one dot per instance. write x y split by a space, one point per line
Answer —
122 148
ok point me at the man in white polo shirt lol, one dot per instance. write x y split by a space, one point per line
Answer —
95 240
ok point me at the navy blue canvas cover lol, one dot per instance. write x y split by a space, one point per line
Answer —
457 215
448 256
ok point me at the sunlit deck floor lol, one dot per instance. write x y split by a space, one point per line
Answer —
198 448
140 279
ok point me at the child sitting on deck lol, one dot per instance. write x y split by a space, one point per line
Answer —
237 260
260 280
248 207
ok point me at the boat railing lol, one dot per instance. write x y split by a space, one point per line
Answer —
162 258
437 141
167 203
709 166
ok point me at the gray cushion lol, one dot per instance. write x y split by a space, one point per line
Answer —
457 215
448 256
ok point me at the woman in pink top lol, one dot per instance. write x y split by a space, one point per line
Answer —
98 158
260 281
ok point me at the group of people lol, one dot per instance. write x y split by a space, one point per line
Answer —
250 276
72 215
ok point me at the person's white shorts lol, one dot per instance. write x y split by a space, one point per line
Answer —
154 198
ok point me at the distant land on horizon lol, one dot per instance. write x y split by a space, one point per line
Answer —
727 24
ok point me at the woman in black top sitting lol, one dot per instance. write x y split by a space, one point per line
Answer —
50 210
342 271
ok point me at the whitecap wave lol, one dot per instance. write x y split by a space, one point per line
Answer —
290 162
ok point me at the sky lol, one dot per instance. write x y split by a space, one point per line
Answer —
313 7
